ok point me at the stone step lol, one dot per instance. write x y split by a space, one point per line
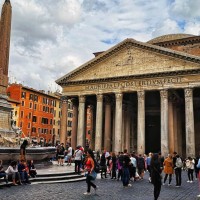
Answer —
55 178
60 181
55 174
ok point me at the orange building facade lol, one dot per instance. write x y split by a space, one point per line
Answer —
36 112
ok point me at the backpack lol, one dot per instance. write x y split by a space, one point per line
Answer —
179 162
141 163
96 166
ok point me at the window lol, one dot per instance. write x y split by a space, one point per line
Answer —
88 132
58 131
15 113
21 124
34 119
23 95
36 98
59 114
35 106
54 122
33 130
69 123
51 121
29 115
22 114
31 97
44 108
44 121
29 125
30 105
22 103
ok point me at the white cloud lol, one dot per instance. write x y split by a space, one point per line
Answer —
50 38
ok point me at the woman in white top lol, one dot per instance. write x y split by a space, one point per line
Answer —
190 167
13 171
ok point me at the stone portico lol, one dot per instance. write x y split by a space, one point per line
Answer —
144 98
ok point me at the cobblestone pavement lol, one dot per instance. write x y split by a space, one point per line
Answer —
108 190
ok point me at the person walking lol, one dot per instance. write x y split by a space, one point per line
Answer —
190 168
125 169
168 169
61 152
141 166
103 165
148 163
156 178
89 170
78 159
178 164
114 165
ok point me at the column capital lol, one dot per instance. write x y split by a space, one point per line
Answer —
118 96
99 97
188 92
141 95
82 99
164 94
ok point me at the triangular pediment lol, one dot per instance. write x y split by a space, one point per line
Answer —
130 58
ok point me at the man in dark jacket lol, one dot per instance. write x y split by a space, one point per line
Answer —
125 169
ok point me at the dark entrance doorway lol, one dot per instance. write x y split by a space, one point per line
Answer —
152 122
152 133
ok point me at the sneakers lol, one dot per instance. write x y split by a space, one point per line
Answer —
191 181
87 193
198 195
188 181
95 189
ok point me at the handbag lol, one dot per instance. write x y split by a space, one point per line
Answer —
93 175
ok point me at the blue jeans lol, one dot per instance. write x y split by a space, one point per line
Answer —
125 176
3 174
24 176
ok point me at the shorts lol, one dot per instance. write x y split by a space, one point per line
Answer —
60 156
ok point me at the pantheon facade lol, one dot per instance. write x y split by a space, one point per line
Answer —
143 96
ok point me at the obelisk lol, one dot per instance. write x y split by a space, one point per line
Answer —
5 106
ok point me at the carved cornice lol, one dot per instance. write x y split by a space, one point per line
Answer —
82 99
139 76
141 95
163 94
125 44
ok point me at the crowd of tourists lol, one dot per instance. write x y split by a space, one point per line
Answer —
130 167
18 172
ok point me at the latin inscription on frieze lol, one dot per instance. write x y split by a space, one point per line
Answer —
135 83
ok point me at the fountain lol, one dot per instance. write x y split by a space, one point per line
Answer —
9 134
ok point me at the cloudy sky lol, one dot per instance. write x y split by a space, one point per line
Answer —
50 38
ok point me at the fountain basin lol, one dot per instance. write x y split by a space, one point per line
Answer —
32 153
